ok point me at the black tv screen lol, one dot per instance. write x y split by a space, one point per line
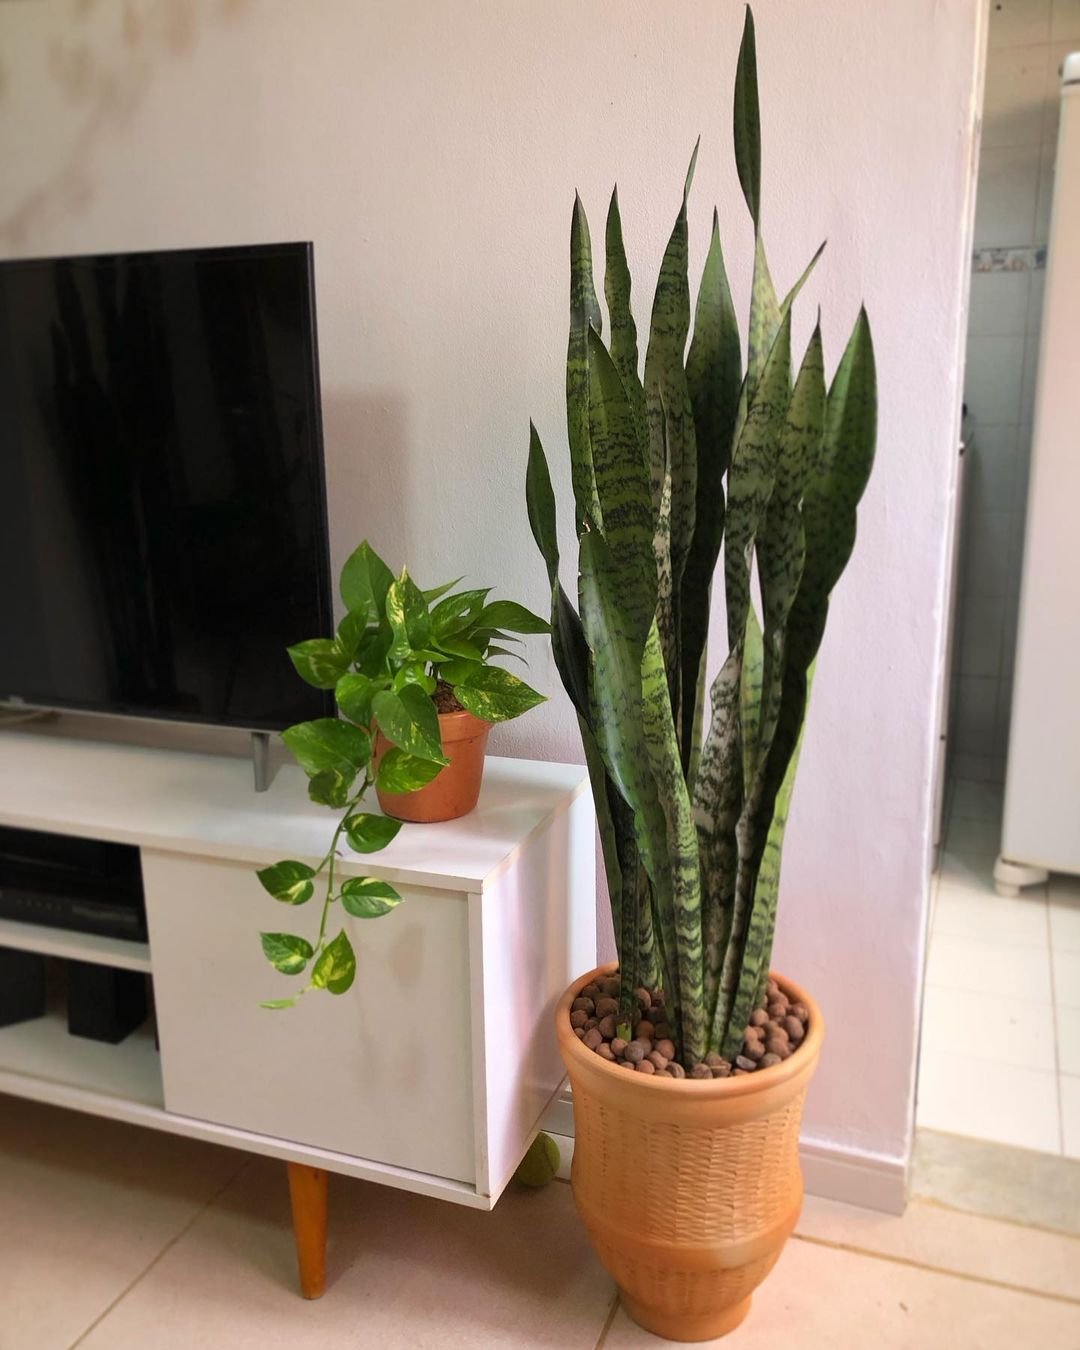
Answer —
161 482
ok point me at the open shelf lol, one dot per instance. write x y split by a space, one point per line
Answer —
119 953
42 1050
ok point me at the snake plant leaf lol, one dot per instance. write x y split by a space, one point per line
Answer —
750 688
584 316
713 376
365 581
781 544
766 312
682 951
408 719
672 444
829 519
567 639
747 122
757 947
622 487
617 285
750 482
540 504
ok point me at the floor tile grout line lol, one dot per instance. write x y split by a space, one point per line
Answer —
606 1328
1054 1024
212 1200
912 1264
935 1203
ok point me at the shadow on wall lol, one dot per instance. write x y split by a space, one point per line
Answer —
102 58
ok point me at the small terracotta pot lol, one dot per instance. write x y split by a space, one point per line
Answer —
688 1188
454 790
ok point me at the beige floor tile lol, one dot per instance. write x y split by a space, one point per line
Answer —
1068 1040
85 1205
930 1235
1066 979
976 801
991 968
991 918
983 1100
1070 1114
403 1271
1009 1031
1065 913
819 1298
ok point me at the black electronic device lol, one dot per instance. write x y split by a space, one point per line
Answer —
80 884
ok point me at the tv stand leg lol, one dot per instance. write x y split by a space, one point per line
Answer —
307 1191
260 759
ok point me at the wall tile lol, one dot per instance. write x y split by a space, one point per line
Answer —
1008 637
1065 21
982 631
999 303
1018 23
1044 197
992 379
1008 186
1036 294
989 555
1055 59
990 481
1004 715
1029 381
1016 552
976 716
1014 109
977 768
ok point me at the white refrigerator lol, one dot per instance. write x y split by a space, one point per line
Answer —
1041 830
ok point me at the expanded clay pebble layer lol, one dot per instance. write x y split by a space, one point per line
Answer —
775 1031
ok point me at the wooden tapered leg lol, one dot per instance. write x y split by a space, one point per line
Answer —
307 1191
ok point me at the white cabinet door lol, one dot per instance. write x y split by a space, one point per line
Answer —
381 1072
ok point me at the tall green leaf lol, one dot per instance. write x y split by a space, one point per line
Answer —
672 444
409 618
713 376
584 315
365 580
624 348
747 121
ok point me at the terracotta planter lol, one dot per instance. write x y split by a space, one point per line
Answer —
688 1188
454 790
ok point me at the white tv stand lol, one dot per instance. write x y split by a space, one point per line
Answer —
431 1074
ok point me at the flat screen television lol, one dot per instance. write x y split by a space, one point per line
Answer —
163 535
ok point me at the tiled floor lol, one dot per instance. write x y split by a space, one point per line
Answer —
113 1238
1000 1057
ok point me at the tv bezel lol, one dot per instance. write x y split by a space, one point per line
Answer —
18 703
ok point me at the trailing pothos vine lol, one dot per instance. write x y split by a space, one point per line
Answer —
394 647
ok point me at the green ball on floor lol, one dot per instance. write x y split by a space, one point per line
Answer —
541 1162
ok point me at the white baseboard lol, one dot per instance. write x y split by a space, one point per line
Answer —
831 1172
853 1176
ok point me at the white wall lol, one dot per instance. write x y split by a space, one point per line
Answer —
1028 40
431 151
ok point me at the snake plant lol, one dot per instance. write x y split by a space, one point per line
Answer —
692 826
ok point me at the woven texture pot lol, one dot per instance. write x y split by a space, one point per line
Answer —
688 1188
454 790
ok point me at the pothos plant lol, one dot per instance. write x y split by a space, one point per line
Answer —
691 825
396 645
